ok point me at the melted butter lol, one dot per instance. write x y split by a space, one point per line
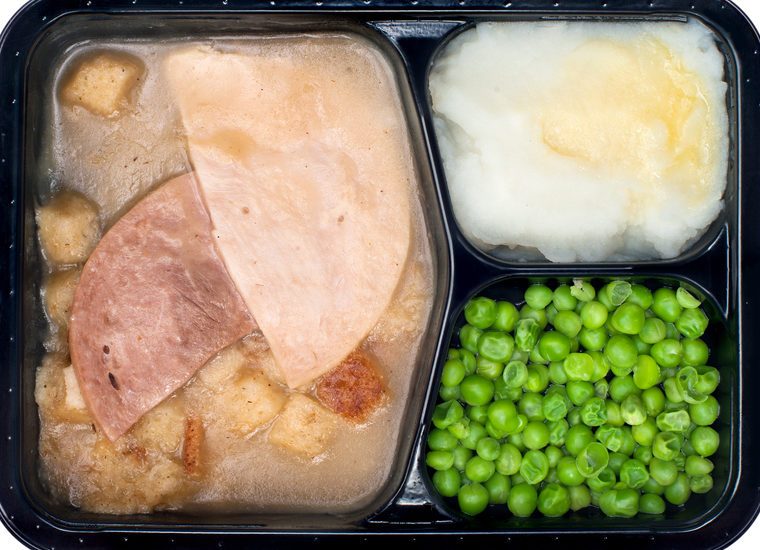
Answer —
633 109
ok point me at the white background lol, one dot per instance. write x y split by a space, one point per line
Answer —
749 541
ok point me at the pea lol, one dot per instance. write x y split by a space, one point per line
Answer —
620 503
621 387
582 290
579 366
476 432
478 413
480 312
592 459
554 500
705 413
461 456
614 416
555 406
632 410
447 482
509 460
654 400
459 429
498 487
577 438
641 296
447 413
532 405
628 443
579 391
602 388
568 473
594 412
700 484
534 467
601 366
441 440
618 292
536 435
568 323
469 336
651 486
574 416
667 445
695 352
554 346
496 346
449 393
603 298
506 316
473 499
708 380
686 299
634 473
674 421
476 390
642 348
653 331
440 460
580 497
526 334
679 491
488 368
602 481
666 306
522 500
538 378
453 372
651 504
621 352
503 415
557 373
698 466
538 296
644 454
671 332
692 323
488 448
610 436
515 374
628 319
594 315
705 441
478 469
593 339
663 472
538 315
558 431
563 299
673 391
667 353
645 432
553 455
646 372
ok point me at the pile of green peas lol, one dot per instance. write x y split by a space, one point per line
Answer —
578 398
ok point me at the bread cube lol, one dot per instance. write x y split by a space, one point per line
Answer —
59 295
69 228
223 367
250 402
102 83
162 427
58 395
304 427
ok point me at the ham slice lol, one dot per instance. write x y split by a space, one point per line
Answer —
302 157
154 303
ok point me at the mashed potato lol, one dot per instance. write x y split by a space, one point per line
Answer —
587 141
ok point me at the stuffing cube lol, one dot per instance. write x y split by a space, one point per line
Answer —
251 401
304 427
69 228
162 427
221 368
57 393
102 83
59 295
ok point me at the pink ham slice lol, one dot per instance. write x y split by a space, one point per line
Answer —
302 159
153 304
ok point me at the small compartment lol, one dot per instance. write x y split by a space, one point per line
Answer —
524 189
700 508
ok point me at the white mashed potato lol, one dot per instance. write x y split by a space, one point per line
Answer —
587 141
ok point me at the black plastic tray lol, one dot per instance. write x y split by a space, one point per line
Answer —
723 266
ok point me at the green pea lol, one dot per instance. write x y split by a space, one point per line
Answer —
692 323
577 438
557 373
705 440
446 414
534 467
473 499
629 443
593 339
496 346
618 292
610 436
594 315
532 406
632 410
579 391
679 491
555 406
568 473
554 346
642 348
488 449
646 372
503 415
478 469
709 378
478 413
667 445
634 473
440 460
536 435
563 298
453 372
645 432
538 315
558 431
461 456
476 390
673 421
553 455
582 290
594 412
538 296
522 500
672 391
515 374
620 503
644 454
623 386
653 331
621 352
551 312
469 336
628 319
526 334
641 296
602 389
654 400
488 368
538 378
498 487
579 366
652 487
509 459
554 500
580 497
695 352
460 429
447 482
671 332
592 459
701 484
506 316
568 323
686 299
574 416
614 416
441 440
476 433
688 382
480 312
601 366
705 413
617 459
665 305
667 352
449 393
698 466
651 504
602 481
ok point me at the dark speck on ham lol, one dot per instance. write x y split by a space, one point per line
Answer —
157 267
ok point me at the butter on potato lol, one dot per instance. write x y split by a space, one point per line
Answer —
304 427
69 228
102 84
59 295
